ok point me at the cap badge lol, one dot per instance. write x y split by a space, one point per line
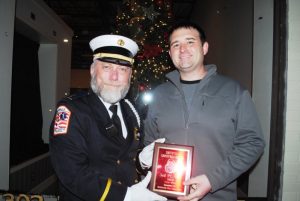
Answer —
121 42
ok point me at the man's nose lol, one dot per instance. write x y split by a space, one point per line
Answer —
183 47
114 74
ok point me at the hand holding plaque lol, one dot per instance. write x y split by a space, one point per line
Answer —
146 155
136 191
170 168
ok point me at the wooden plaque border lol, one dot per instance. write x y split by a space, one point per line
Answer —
157 147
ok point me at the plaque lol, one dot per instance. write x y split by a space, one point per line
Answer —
171 166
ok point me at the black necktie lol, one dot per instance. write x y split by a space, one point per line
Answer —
115 119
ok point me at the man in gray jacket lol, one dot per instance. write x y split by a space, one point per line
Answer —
213 113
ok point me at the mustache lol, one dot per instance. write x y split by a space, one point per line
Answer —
108 95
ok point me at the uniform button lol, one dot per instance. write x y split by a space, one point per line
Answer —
134 159
136 181
119 182
118 162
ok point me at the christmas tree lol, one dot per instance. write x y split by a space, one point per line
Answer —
147 22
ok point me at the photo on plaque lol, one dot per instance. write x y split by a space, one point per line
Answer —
171 166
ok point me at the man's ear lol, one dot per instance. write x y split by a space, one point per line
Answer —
205 48
92 68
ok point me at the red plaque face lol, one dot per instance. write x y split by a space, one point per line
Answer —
170 168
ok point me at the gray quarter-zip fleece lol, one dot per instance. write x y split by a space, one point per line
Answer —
221 124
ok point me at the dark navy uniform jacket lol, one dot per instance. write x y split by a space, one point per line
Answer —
91 161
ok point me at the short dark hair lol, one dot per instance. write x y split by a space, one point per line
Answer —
188 25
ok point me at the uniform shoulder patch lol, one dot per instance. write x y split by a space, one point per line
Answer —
62 118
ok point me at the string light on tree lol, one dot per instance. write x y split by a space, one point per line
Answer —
147 21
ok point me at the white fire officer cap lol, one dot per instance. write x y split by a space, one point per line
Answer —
114 49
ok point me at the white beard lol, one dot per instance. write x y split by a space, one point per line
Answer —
109 96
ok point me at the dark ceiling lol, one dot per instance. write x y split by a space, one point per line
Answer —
90 18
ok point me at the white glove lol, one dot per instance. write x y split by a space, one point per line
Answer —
140 192
146 155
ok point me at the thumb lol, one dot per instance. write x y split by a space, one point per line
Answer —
190 181
146 180
161 140
151 146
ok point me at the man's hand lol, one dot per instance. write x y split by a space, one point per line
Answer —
200 186
146 155
140 192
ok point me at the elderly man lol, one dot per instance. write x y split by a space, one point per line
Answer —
95 136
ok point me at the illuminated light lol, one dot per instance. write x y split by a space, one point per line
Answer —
66 40
180 170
